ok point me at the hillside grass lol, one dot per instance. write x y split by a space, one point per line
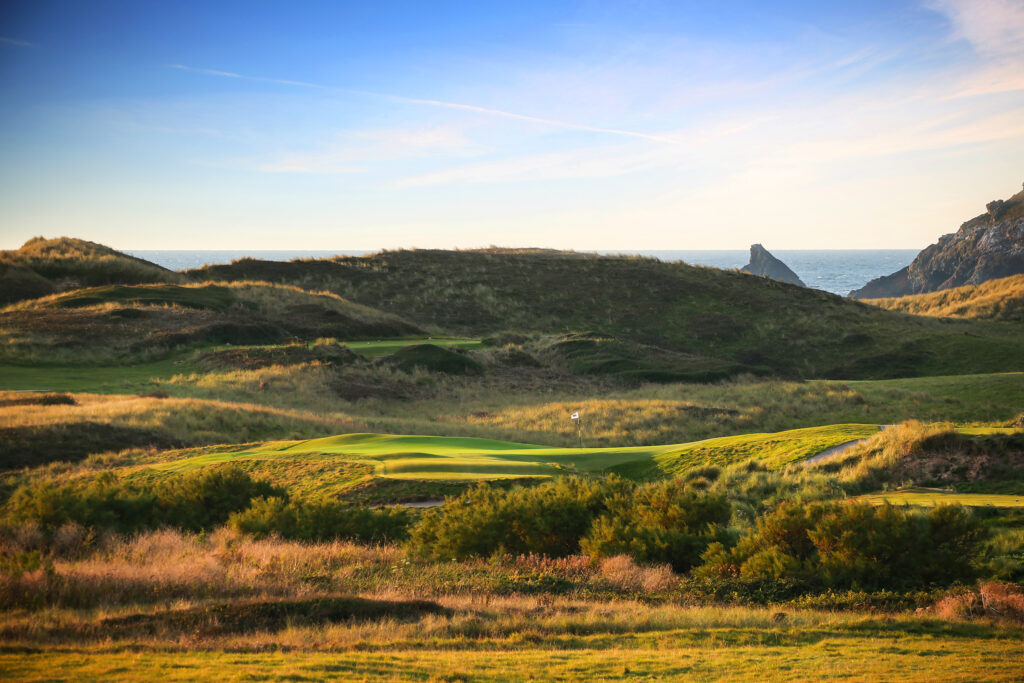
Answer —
93 424
374 349
345 465
537 411
930 498
774 451
1000 299
79 263
719 315
95 379
125 324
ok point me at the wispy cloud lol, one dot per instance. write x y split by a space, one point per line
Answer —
356 151
995 31
261 79
993 27
14 42
476 109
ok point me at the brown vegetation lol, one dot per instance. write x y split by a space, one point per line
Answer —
1001 299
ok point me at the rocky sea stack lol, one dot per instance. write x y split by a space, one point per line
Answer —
984 248
764 264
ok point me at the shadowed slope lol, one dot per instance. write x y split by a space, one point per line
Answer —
729 319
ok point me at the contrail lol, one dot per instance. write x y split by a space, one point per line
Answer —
435 103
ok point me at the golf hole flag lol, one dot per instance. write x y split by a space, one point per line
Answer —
575 416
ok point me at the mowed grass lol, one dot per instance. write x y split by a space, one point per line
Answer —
925 497
658 655
372 349
93 379
461 458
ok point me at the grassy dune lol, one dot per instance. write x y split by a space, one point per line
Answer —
1001 299
720 316
118 324
43 266
94 424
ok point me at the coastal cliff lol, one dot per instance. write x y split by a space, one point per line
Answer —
986 247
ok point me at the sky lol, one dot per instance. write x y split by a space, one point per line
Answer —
636 125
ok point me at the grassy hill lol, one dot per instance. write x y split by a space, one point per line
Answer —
1001 299
44 266
387 467
725 322
39 428
120 322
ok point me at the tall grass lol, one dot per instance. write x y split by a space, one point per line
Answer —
1000 299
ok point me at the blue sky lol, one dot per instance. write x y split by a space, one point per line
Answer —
586 125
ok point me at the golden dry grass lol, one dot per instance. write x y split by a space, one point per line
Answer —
1001 299
192 420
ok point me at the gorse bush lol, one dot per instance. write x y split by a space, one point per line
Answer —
206 499
194 501
665 522
549 519
854 546
656 523
321 520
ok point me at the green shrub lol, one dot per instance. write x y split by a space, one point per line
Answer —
855 546
549 519
321 520
194 501
665 522
205 499
104 503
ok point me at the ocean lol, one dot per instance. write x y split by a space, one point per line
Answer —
834 270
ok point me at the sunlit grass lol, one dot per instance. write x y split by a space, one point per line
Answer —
1000 299
925 497
372 349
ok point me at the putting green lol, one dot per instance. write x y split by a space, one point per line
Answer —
436 457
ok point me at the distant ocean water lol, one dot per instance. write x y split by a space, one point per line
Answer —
834 270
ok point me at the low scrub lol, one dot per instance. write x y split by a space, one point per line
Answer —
666 522
193 501
998 601
855 546
549 519
243 617
321 520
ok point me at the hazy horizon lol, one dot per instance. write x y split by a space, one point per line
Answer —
571 125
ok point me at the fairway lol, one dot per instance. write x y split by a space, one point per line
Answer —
92 379
455 458
925 497
372 349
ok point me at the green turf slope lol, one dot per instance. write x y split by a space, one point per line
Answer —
459 458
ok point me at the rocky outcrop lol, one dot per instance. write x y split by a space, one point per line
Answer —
764 264
984 248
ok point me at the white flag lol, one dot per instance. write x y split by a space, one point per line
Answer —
575 416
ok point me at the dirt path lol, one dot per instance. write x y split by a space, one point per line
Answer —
832 453
835 451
